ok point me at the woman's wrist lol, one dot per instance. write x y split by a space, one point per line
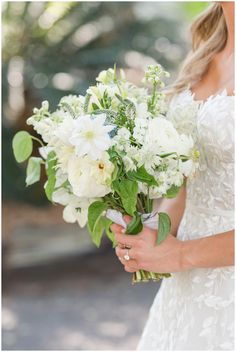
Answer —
188 259
208 252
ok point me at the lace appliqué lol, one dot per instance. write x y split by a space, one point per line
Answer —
194 310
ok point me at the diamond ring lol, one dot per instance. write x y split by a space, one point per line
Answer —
126 256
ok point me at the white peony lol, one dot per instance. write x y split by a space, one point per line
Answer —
162 134
90 178
90 136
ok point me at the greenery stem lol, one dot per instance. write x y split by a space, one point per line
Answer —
38 140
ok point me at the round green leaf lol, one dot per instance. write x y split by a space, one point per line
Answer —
33 170
22 146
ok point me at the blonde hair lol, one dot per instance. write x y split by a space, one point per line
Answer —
209 36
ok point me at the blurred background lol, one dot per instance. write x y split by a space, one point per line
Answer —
59 291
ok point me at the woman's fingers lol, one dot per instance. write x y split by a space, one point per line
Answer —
131 263
121 252
127 218
128 240
130 270
116 228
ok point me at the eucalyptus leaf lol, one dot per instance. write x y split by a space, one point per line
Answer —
164 226
33 170
51 163
22 146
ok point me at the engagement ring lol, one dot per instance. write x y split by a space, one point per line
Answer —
126 256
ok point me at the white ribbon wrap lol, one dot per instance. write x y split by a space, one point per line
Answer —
150 220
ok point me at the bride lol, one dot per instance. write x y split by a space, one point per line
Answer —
193 309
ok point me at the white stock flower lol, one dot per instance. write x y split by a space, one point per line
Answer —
76 102
140 129
90 136
44 127
129 163
148 157
61 177
142 111
44 151
121 139
64 130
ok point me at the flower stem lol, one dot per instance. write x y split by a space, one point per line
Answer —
38 140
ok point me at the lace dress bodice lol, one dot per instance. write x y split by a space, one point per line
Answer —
193 310
212 187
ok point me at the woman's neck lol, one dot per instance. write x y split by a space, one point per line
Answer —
228 10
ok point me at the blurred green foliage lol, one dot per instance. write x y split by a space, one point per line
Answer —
51 49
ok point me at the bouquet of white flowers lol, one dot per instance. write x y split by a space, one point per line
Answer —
110 153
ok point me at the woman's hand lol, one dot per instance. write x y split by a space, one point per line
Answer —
145 254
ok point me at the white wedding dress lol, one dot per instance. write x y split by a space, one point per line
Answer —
194 310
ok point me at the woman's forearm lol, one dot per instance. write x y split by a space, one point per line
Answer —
174 208
209 252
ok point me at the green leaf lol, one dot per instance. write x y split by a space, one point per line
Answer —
167 154
119 97
172 192
143 176
98 231
164 225
33 170
51 173
96 223
95 106
22 146
135 226
50 187
127 190
109 233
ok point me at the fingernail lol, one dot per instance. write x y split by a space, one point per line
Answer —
123 231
